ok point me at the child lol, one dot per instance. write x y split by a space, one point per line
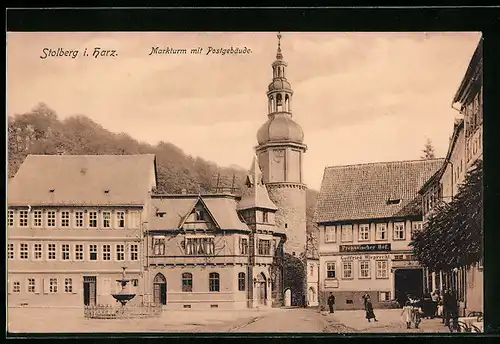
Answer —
407 314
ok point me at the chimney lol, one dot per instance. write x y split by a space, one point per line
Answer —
184 191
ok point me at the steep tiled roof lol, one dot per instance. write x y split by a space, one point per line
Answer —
356 192
255 194
176 208
83 180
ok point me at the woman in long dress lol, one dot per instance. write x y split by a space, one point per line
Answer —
407 314
369 310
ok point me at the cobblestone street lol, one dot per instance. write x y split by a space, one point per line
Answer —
46 320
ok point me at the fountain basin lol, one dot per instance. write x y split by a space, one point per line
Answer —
123 298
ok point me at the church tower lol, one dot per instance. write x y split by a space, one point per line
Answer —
280 152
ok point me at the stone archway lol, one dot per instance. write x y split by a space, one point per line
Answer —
160 289
261 285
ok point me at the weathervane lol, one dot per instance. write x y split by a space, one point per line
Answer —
279 56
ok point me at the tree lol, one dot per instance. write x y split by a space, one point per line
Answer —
428 151
453 234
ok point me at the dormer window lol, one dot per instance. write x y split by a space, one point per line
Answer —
393 201
106 191
52 190
160 213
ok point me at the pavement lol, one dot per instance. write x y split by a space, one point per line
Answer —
298 320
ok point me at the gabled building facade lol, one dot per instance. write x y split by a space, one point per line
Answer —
211 251
366 215
465 149
73 222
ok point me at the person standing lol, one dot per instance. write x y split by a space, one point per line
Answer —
446 304
369 310
331 302
435 301
407 314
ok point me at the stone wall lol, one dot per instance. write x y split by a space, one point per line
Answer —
291 215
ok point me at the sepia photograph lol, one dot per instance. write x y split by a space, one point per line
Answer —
244 182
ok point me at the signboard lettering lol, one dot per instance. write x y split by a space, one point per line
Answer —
365 248
365 257
331 283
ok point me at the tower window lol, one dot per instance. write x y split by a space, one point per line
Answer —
286 225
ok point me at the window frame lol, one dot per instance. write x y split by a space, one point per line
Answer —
377 231
11 218
106 252
37 220
264 247
51 219
120 217
330 234
63 251
350 238
350 263
106 219
93 219
214 282
120 252
403 231
79 216
68 285
187 282
65 220
362 227
134 252
23 218
361 262
11 251
35 251
328 270
82 252
377 269
24 251
93 249
16 284
31 286
53 285
51 254
242 281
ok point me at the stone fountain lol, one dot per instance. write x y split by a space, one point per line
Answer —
123 296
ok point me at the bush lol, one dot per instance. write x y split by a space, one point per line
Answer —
389 305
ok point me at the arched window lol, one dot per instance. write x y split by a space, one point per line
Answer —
213 282
241 281
287 103
279 102
187 282
159 278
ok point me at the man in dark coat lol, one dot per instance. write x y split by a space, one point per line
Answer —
446 307
331 302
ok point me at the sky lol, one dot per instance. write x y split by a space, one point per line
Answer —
359 97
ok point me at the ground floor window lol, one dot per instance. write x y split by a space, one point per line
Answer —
384 296
31 285
68 285
347 270
53 285
382 269
187 282
214 281
330 269
241 281
364 269
16 288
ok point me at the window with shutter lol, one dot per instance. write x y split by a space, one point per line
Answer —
38 283
45 285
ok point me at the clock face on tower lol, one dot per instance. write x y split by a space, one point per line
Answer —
278 154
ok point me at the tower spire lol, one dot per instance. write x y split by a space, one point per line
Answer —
279 55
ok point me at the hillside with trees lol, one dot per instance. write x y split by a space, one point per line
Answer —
40 131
